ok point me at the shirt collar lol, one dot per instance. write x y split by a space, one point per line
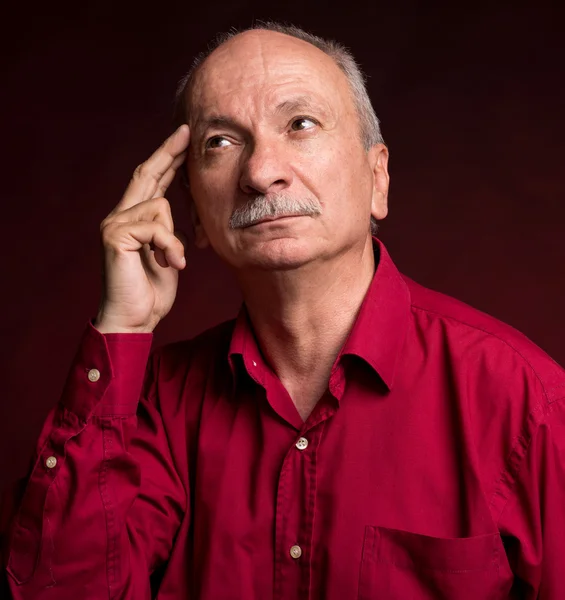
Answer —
243 344
379 331
377 335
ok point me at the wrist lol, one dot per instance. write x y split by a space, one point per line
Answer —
104 327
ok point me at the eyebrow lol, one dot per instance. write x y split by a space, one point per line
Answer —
218 121
292 105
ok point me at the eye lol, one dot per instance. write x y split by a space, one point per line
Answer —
217 142
303 123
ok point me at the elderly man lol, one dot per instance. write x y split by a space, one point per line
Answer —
351 435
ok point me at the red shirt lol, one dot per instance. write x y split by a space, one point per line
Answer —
432 468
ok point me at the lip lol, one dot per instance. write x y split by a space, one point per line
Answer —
272 219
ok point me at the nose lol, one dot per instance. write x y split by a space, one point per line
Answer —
266 169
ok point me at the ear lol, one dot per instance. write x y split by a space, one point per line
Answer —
378 160
200 238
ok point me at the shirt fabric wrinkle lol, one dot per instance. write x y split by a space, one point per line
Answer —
431 468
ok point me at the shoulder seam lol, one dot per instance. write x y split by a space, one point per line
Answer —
494 335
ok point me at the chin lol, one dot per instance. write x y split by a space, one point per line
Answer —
278 254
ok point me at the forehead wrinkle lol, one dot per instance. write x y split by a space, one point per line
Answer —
292 105
249 67
275 101
299 104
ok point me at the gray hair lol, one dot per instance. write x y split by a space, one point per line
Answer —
370 129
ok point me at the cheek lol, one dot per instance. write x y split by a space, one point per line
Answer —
355 172
321 169
212 196
340 176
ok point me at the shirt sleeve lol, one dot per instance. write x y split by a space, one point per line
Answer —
103 501
533 522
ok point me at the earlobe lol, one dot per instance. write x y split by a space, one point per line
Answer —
378 156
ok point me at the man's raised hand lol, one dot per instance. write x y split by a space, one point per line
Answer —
142 255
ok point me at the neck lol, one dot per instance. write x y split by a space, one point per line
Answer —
302 317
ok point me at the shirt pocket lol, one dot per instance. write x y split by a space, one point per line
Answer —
397 565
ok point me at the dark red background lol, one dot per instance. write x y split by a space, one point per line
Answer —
471 101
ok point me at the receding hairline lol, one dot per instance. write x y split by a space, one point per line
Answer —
258 32
339 54
194 74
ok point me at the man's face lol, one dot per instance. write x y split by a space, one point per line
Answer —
272 116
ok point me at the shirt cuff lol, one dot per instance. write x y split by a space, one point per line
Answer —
107 374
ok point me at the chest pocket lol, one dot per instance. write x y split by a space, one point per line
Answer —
399 565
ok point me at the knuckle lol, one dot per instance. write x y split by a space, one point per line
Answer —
163 204
108 232
139 171
162 211
144 171
105 224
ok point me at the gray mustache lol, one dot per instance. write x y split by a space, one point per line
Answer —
272 205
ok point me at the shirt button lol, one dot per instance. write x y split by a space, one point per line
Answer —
93 375
51 462
302 444
296 551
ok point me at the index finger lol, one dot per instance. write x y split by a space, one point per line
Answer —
148 175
